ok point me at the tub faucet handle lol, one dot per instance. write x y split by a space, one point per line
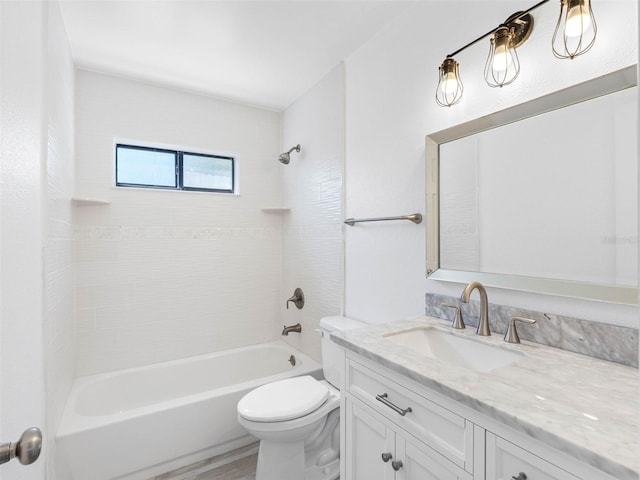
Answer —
297 298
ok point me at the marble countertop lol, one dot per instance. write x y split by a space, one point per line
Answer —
583 406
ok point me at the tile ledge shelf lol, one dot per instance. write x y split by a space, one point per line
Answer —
276 209
86 201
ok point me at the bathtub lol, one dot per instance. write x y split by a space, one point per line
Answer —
137 423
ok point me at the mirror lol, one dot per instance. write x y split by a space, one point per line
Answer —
541 197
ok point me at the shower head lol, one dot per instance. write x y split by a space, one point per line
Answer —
285 158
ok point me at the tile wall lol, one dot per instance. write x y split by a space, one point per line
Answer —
312 189
163 274
59 252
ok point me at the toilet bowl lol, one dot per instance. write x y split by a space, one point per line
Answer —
297 420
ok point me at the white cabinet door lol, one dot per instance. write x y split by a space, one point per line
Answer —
367 439
419 462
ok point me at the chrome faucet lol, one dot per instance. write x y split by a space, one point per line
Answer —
483 324
297 328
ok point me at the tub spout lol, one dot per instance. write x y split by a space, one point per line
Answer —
293 328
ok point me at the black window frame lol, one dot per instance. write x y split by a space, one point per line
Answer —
178 170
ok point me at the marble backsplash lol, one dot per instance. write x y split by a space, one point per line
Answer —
607 342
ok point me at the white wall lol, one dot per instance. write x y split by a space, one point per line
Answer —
59 251
166 274
390 108
312 188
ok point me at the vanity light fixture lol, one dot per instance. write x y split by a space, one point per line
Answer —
576 29
503 66
449 91
576 22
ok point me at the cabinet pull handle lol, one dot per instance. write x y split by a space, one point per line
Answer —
386 457
402 411
396 465
521 476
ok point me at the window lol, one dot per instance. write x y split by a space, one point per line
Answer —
149 167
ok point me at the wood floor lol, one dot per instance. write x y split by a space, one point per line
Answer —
237 465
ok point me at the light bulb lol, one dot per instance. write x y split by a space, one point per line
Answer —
578 20
501 58
502 66
576 29
450 83
449 89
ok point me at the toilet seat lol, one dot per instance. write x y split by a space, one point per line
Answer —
288 426
284 400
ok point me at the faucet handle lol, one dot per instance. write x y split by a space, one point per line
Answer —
297 298
457 322
511 336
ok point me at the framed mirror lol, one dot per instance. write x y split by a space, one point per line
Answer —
541 197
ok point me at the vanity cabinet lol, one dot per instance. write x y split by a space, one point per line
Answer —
419 439
376 449
435 437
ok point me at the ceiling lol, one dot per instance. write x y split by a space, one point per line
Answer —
262 53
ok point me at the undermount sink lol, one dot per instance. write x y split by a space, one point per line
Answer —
453 349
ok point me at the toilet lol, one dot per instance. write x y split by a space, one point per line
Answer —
297 420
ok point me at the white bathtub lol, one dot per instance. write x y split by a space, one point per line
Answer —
137 423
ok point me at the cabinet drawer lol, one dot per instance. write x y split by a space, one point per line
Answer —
447 433
506 461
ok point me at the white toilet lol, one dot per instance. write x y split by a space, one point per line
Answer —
297 420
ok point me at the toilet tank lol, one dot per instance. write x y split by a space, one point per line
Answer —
333 355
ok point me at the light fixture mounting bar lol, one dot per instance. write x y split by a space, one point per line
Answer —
511 19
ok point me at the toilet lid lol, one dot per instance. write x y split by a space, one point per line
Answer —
283 400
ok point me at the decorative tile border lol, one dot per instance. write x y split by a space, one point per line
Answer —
125 232
599 340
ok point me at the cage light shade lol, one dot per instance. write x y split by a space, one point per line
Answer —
502 66
449 89
576 29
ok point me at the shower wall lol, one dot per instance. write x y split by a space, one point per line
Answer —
312 188
59 247
168 274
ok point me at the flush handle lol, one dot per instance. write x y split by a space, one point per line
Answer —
386 457
26 449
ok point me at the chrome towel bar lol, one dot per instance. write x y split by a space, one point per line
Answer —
415 218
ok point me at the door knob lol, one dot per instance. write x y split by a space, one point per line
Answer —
521 476
26 449
397 465
386 457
